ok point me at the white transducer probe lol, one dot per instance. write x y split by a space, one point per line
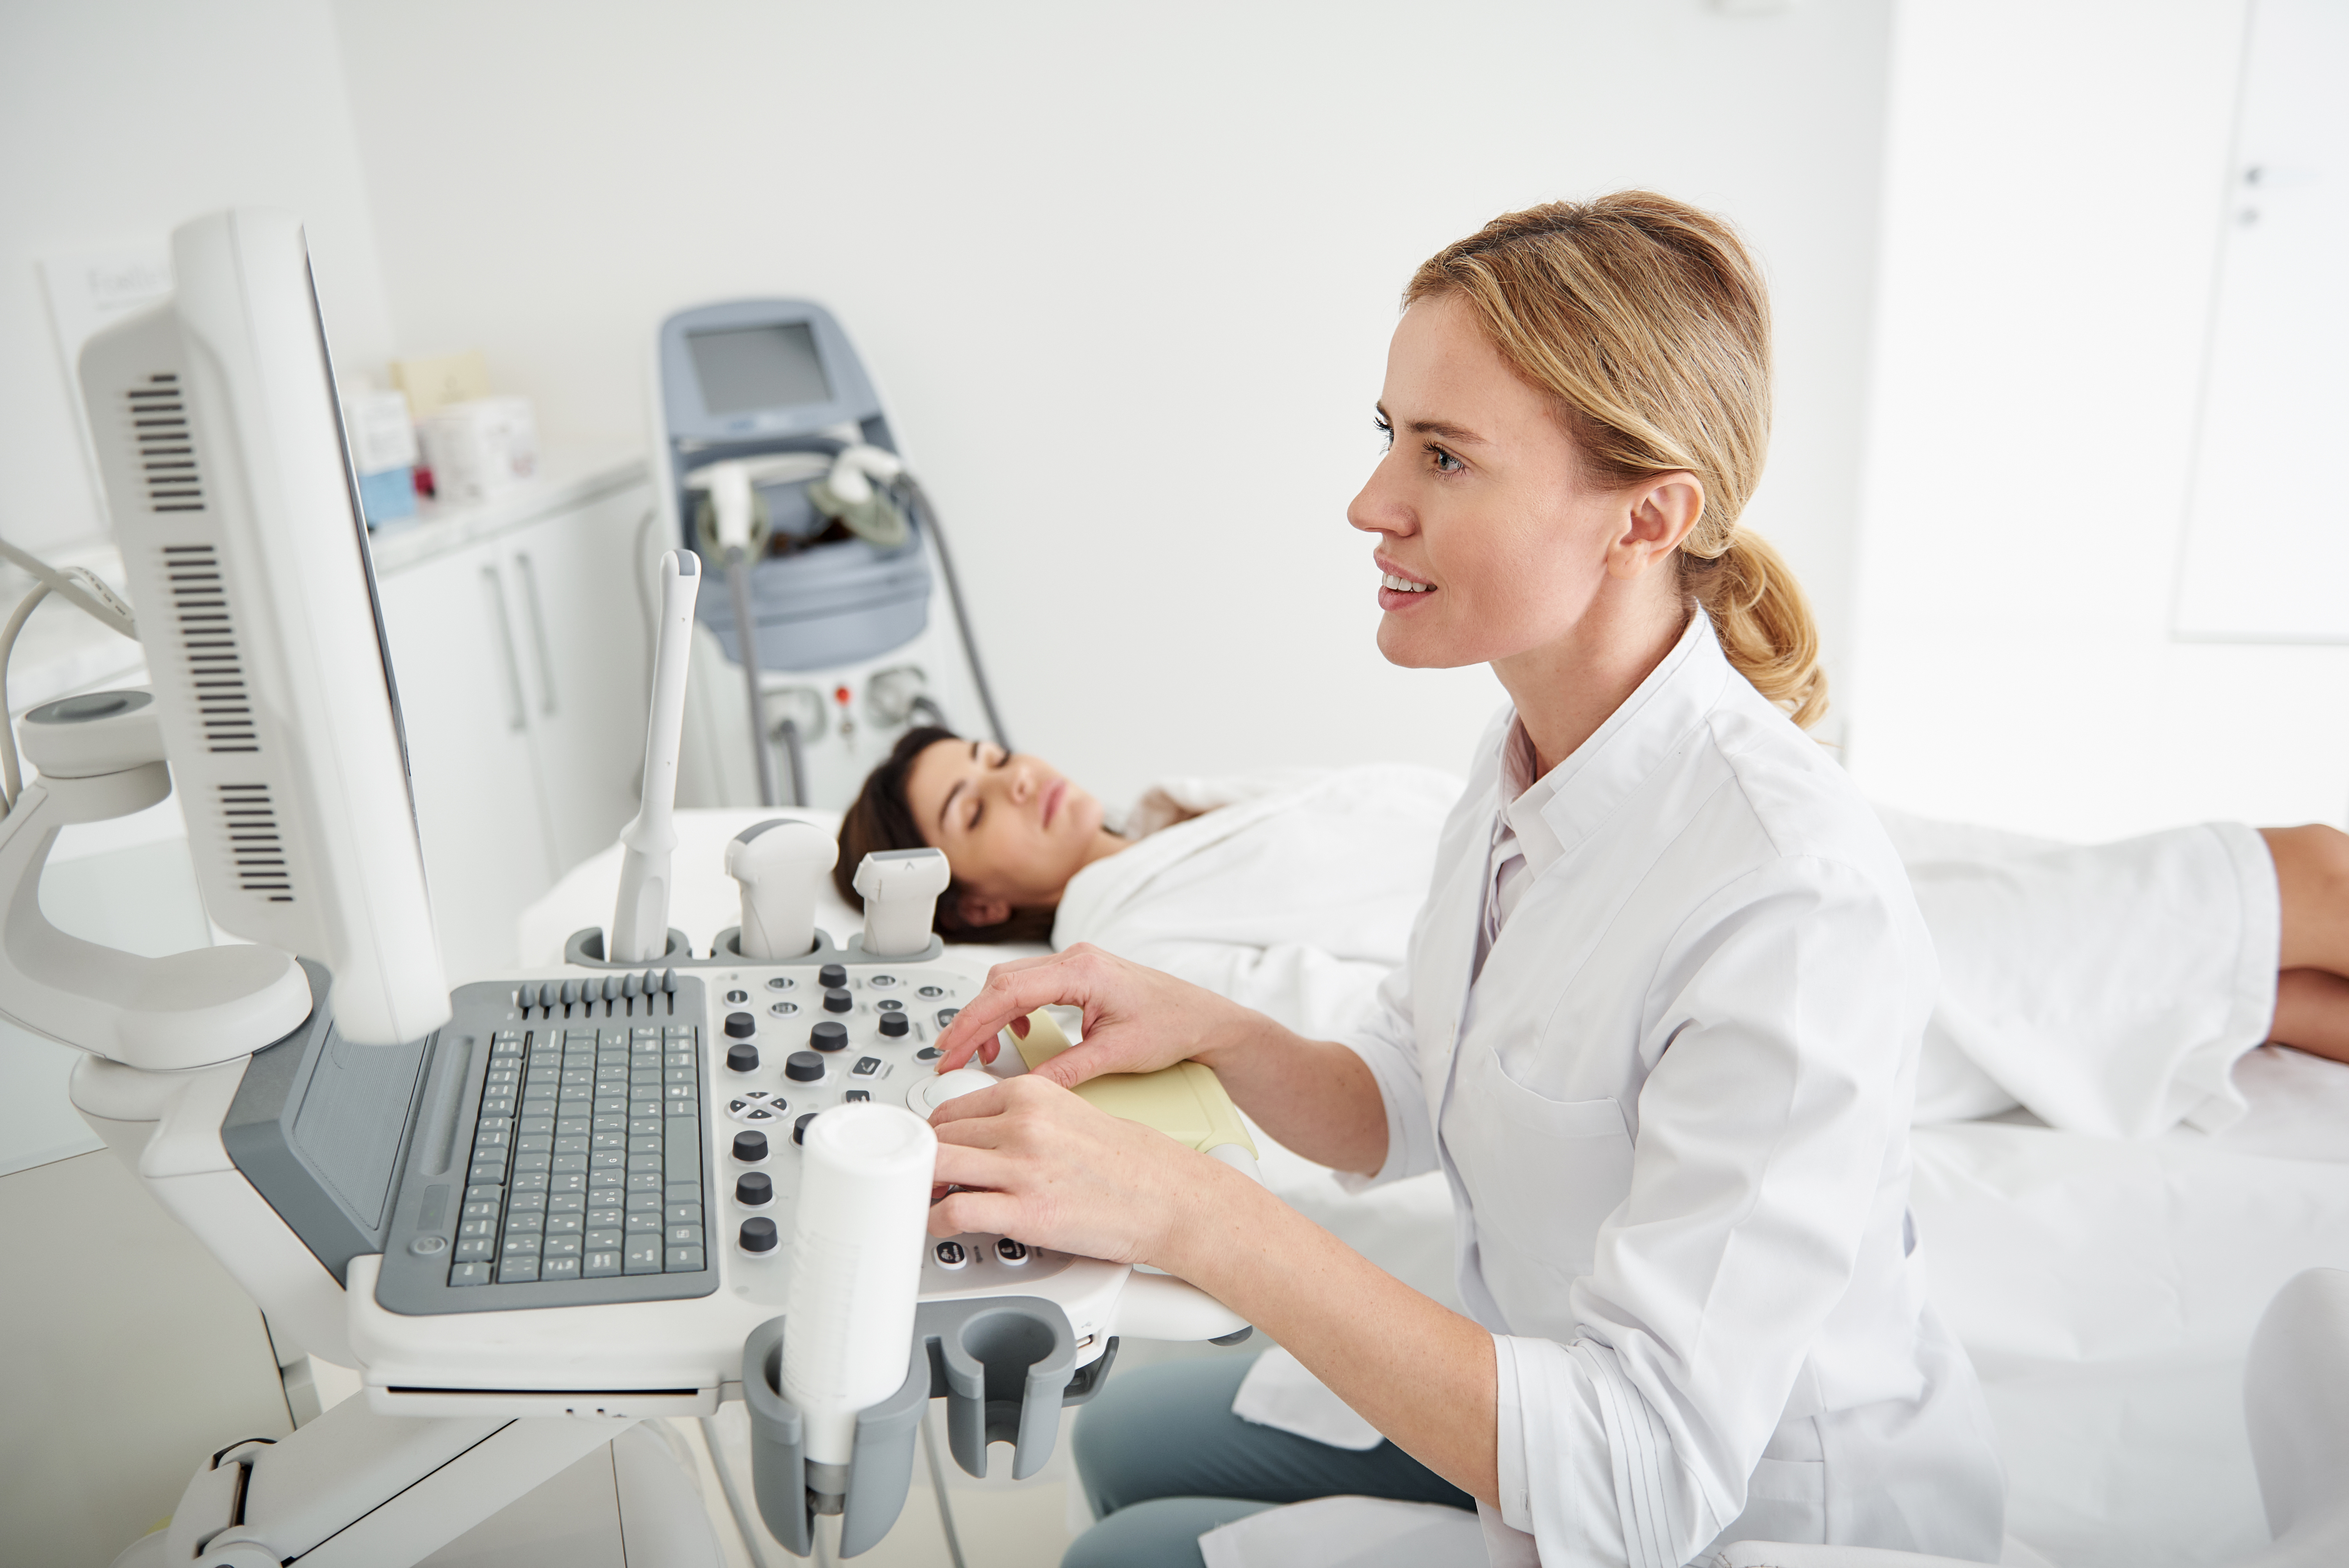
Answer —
779 863
900 888
640 917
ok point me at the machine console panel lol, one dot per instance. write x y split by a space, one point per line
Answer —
635 1137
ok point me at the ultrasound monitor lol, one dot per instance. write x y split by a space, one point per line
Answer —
234 504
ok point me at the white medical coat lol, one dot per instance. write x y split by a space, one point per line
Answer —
1672 1108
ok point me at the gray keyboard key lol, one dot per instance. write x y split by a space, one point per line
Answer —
562 1162
538 1201
476 1249
614 1139
566 1203
534 1160
534 1143
684 1153
533 1124
640 1201
469 1274
563 1182
596 1264
484 1195
683 1235
531 1181
684 1260
684 1213
565 1225
559 1268
573 1145
644 1182
562 1246
486 1173
604 1218
646 1221
609 1180
642 1257
517 1270
468 1229
480 1211
611 1240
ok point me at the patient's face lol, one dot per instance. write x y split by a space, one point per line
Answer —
1481 496
1013 829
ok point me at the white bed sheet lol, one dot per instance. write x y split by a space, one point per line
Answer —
2107 1290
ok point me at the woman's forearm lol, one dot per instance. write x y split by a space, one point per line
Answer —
1413 1368
1315 1096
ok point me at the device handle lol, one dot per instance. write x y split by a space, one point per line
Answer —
640 915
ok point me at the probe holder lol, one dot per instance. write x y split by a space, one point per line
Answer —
1005 1365
586 950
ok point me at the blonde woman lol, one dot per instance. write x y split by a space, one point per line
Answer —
1658 1026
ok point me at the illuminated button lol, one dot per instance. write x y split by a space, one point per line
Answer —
759 1234
837 1000
804 1067
930 992
951 1256
782 983
881 982
783 1009
828 1036
1012 1251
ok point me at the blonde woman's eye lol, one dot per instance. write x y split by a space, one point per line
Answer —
1445 463
1385 430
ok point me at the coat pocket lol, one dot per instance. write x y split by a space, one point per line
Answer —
1542 1176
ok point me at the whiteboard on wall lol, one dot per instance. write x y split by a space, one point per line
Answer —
2266 556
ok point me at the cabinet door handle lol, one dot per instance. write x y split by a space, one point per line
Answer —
537 630
493 589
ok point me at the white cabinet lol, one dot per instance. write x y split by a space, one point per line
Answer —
519 647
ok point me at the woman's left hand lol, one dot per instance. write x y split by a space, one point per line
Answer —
1054 1172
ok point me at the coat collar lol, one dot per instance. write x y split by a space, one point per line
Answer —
1658 716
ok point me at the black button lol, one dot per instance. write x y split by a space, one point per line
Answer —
742 1057
946 1015
828 1036
804 1067
893 1024
929 1054
866 1066
741 1025
832 974
1011 1251
837 1000
755 1187
750 1147
951 1256
798 1128
759 1234
858 1096
737 996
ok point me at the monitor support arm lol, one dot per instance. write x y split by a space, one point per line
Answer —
101 757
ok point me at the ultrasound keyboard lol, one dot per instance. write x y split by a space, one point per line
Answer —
567 1165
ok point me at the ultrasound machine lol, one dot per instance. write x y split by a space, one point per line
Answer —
529 1211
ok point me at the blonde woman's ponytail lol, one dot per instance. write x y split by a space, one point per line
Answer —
1763 621
1648 323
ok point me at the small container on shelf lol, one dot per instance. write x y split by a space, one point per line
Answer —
383 452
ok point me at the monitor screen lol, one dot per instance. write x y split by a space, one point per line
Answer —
752 368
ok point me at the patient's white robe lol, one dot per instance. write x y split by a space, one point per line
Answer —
2107 988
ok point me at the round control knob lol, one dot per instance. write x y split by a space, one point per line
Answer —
798 1128
832 974
828 1036
804 1067
741 1057
750 1147
759 1234
741 1025
755 1188
837 1000
928 1094
893 1024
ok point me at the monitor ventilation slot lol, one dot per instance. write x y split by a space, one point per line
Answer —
166 456
208 638
256 846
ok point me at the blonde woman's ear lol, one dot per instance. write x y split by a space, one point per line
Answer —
1662 513
979 909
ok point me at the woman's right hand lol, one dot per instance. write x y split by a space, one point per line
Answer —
1137 1020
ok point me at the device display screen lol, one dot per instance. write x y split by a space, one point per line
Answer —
748 367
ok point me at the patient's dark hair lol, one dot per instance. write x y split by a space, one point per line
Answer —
881 818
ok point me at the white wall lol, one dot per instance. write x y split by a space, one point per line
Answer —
2055 179
1127 276
120 118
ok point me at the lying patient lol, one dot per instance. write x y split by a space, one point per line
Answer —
2108 989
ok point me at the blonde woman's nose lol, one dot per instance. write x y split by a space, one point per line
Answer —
1023 781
